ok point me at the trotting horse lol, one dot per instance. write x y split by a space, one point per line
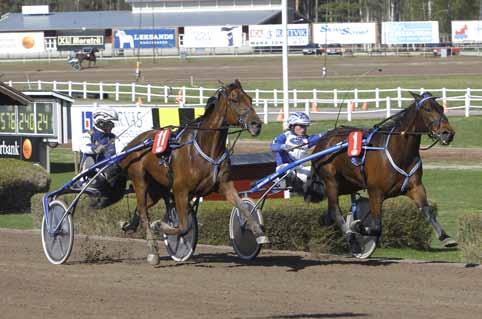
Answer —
200 166
392 168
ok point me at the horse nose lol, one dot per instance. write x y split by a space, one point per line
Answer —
447 136
255 127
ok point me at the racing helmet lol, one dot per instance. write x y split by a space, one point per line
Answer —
104 117
299 118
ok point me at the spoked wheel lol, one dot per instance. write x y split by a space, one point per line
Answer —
57 246
362 245
181 248
242 239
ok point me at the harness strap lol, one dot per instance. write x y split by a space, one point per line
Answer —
397 168
216 163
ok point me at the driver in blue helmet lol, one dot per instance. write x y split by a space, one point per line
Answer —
294 144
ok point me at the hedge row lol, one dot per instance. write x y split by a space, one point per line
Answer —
290 224
19 181
470 238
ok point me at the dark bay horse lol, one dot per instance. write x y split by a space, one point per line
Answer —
392 170
87 55
200 166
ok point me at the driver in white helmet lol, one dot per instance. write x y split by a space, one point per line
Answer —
99 142
294 144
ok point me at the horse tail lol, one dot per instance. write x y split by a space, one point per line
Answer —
112 187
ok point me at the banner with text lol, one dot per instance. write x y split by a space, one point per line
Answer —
145 39
412 32
267 35
466 31
344 33
212 37
76 40
22 42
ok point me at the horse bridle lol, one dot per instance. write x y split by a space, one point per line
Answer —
242 116
434 123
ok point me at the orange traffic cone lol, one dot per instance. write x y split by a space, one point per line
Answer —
352 106
446 109
281 116
365 106
314 107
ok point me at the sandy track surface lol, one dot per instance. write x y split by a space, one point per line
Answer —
215 284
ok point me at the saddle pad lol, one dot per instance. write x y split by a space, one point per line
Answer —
161 141
355 140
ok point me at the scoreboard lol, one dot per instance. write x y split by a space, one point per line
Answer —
35 119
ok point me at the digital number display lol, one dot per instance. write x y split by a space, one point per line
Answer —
33 119
26 119
45 118
8 121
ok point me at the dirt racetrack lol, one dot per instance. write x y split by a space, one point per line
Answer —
118 283
174 71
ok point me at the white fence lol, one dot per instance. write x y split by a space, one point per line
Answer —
375 102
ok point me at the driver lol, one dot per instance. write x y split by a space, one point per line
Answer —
292 145
99 143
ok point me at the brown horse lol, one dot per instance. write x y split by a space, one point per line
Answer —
391 170
198 167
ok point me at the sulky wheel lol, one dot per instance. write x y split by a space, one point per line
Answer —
362 244
242 239
58 245
181 247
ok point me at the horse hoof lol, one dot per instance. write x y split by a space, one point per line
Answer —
153 259
262 240
156 227
126 227
449 242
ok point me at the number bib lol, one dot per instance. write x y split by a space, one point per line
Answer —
161 141
355 143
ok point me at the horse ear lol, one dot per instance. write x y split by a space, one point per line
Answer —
238 84
415 95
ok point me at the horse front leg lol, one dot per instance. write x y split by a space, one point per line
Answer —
229 191
334 211
181 200
142 204
418 194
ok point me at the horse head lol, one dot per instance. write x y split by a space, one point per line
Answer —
433 119
239 108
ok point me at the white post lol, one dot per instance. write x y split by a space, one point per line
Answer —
377 98
133 92
55 86
39 84
84 88
315 95
117 91
307 107
149 97
275 97
284 23
70 88
166 94
388 107
265 112
335 98
256 97
183 95
467 103
10 84
421 90
101 91
348 111
295 97
201 95
399 97
355 97
444 96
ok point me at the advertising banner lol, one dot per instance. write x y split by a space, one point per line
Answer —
412 32
267 35
145 39
213 37
22 42
344 33
466 31
25 148
76 40
133 121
